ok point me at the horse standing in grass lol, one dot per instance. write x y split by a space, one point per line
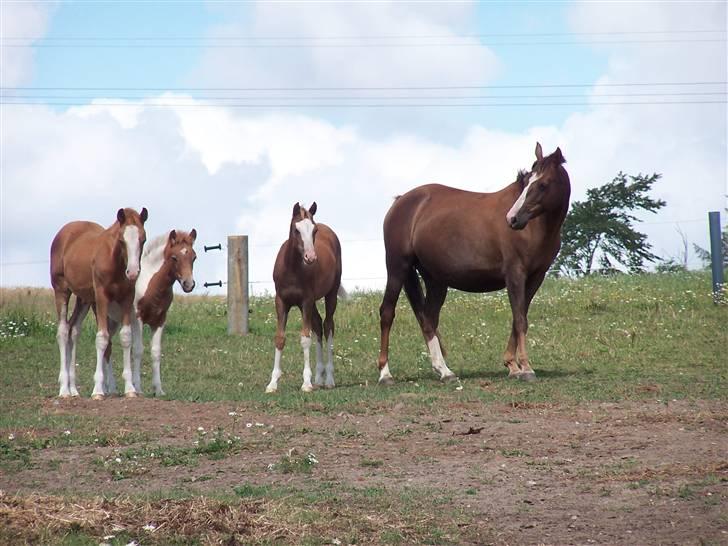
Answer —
476 242
167 259
307 268
99 266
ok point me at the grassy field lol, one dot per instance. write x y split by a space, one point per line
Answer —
650 339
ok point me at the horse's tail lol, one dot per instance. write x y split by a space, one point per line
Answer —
342 293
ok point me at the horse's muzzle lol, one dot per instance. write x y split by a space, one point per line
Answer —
309 259
517 223
187 286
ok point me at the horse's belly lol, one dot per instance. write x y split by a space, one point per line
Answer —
463 267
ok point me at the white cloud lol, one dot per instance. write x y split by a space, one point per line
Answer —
228 171
26 20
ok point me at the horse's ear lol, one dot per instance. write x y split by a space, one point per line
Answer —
559 157
296 210
144 214
121 216
539 151
193 235
173 236
312 210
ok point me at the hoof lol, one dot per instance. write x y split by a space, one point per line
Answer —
159 394
330 386
64 396
271 390
307 388
97 397
514 375
130 394
528 377
449 378
386 381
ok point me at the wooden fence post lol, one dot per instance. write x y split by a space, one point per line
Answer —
237 285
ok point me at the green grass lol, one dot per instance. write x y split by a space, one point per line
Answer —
646 337
601 338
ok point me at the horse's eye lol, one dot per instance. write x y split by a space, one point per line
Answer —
174 257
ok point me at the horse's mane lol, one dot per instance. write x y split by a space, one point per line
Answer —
156 245
521 177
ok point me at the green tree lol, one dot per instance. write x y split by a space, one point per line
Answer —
600 229
704 255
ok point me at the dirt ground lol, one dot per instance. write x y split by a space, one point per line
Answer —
598 473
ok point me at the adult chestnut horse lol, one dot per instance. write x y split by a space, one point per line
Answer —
99 266
476 242
307 268
166 259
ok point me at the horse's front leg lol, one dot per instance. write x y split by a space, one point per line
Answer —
137 352
125 339
280 342
156 361
102 342
307 314
519 299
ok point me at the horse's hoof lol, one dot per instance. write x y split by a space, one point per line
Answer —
270 390
130 394
330 385
159 394
64 396
449 378
528 377
514 375
307 388
386 381
97 397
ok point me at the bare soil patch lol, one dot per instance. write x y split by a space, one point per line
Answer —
518 473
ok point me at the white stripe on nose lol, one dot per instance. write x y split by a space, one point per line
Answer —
305 228
515 209
133 251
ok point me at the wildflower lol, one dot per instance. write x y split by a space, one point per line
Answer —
11 437
200 429
232 413
248 425
118 460
149 527
67 432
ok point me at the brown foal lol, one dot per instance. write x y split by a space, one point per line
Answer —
99 266
307 268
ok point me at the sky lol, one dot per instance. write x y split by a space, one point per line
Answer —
221 115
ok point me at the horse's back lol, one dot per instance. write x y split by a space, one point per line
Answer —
72 252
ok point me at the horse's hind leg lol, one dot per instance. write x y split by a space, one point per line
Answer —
331 301
317 327
436 294
80 311
62 297
280 342
395 280
109 380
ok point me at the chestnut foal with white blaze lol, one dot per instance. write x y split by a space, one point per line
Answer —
99 266
167 259
307 268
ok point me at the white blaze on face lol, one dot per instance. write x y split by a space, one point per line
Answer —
522 198
133 251
305 228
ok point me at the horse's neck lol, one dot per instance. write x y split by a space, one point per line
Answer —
162 281
114 242
293 255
